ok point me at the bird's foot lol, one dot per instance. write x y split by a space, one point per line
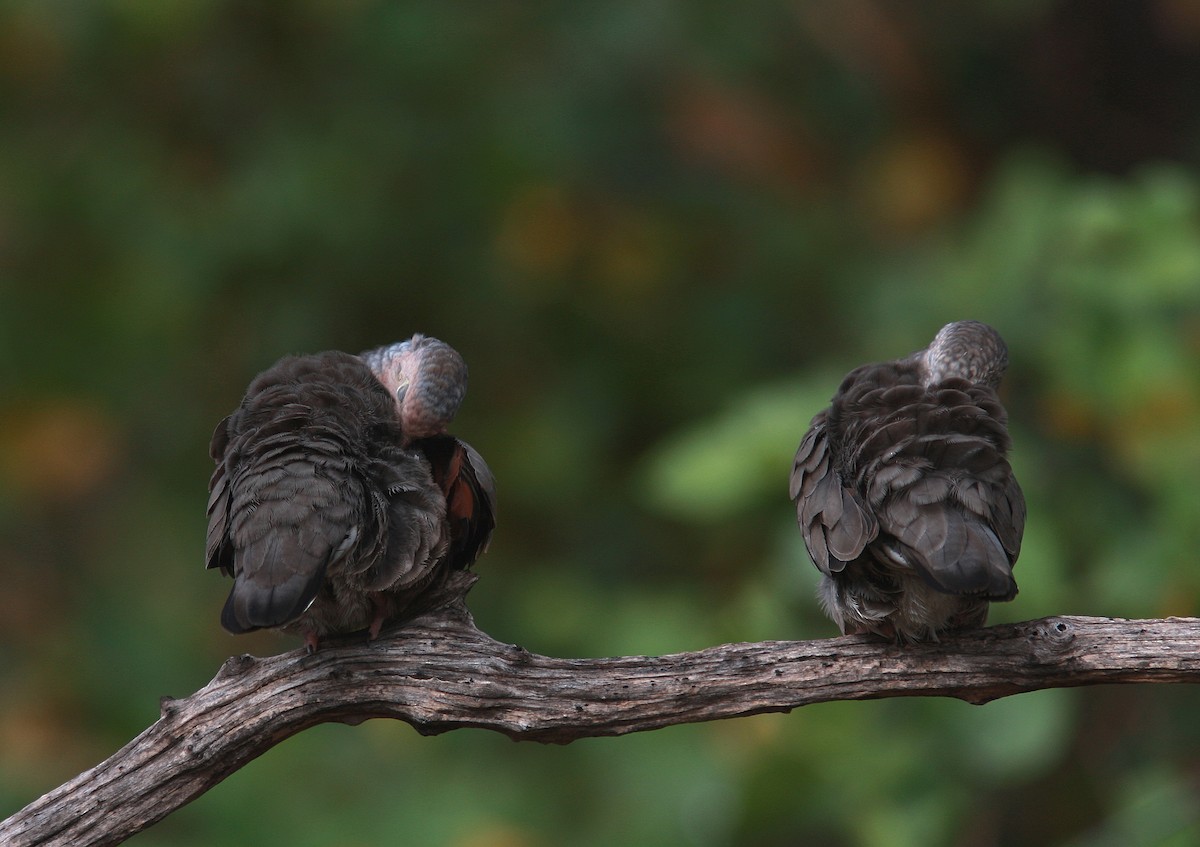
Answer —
377 620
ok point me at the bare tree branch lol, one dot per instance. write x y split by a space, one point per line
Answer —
441 673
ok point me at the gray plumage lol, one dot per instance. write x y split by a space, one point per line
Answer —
327 513
904 493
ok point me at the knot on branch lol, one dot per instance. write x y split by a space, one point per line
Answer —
1051 638
235 666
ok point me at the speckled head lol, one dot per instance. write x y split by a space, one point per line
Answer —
968 350
427 378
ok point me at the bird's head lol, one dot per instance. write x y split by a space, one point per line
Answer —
968 350
426 378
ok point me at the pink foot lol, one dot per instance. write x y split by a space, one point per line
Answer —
376 625
377 621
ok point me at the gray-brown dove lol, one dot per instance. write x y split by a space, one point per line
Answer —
338 500
904 493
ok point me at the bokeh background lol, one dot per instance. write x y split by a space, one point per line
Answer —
660 232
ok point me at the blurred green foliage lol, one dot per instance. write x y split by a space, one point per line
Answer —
660 233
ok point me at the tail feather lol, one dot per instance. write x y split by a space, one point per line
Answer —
957 553
276 580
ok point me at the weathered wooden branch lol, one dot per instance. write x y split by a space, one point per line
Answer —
441 673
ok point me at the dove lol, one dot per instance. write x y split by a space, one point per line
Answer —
904 494
339 500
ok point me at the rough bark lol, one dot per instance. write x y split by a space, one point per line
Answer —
441 673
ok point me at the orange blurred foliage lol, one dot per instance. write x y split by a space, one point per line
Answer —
742 134
913 181
59 449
